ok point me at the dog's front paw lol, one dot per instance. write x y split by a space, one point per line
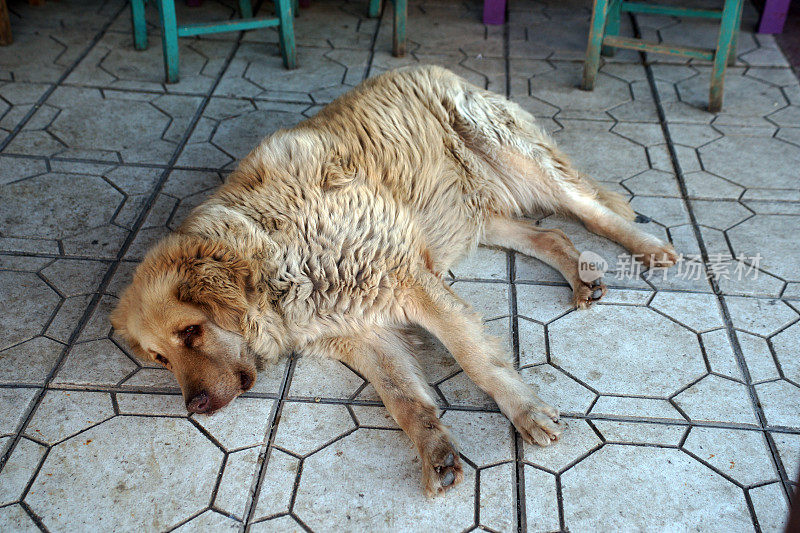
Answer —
441 468
660 256
538 423
585 294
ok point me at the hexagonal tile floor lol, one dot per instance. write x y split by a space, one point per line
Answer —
680 390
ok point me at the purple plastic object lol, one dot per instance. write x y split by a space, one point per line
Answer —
494 11
773 17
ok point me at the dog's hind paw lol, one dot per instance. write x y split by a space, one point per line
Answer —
441 469
585 294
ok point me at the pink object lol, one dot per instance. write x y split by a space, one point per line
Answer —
773 16
494 11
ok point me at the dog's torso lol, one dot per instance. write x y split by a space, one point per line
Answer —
342 208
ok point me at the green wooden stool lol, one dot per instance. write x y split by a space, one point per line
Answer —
171 31
399 33
604 30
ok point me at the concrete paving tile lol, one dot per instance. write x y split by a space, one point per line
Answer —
305 427
240 470
339 25
210 521
63 414
99 362
543 303
15 405
485 72
759 316
788 446
741 455
541 505
576 442
18 470
278 484
242 423
639 433
720 354
30 362
373 416
346 480
283 523
320 377
784 344
532 343
67 493
781 403
257 71
463 31
618 93
126 127
231 128
490 300
646 475
496 509
760 361
695 311
769 503
483 438
14 518
483 263
151 404
635 407
113 63
717 399
655 357
558 389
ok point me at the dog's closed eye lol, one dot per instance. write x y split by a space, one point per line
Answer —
163 360
190 334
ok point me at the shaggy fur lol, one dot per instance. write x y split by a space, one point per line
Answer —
331 237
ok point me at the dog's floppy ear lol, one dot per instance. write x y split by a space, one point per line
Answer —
217 282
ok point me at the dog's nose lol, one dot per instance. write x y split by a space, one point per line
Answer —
199 404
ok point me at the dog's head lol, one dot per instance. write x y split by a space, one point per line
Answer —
185 310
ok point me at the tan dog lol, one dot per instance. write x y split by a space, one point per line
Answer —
330 238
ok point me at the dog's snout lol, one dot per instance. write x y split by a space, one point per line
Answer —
200 403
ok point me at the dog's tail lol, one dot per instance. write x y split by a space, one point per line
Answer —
612 200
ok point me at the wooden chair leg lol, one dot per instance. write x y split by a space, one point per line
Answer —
5 25
735 42
169 39
374 8
139 23
599 13
286 33
399 35
245 9
730 14
612 26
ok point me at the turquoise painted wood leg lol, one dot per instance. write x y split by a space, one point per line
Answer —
399 36
169 39
730 14
598 24
374 8
612 26
139 24
286 33
245 9
735 42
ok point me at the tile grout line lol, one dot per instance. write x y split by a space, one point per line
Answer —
723 307
58 83
140 220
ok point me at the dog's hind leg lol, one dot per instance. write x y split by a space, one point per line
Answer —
432 305
532 173
385 358
549 245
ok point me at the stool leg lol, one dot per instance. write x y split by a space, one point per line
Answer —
286 33
726 30
169 39
374 8
399 35
735 42
139 25
612 26
245 9
599 13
